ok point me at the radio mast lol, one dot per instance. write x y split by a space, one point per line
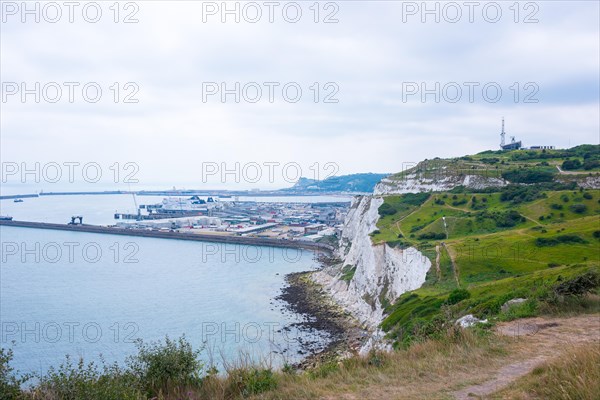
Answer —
502 134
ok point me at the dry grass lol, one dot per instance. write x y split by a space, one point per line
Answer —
574 375
427 370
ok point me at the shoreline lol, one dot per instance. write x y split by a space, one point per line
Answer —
308 299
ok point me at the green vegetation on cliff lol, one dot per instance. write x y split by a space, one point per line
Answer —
522 240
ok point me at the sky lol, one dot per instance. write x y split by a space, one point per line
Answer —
370 86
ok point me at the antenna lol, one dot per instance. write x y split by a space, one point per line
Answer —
502 134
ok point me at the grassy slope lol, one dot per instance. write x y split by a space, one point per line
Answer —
493 262
493 163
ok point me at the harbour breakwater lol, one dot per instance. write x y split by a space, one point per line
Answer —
228 239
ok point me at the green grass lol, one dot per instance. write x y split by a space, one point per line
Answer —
501 251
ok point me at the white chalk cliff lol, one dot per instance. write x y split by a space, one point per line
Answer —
382 272
414 183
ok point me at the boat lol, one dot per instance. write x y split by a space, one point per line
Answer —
174 205
5 218
18 201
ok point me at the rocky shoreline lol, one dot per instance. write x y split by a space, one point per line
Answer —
320 313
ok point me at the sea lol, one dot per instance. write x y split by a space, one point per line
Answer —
96 297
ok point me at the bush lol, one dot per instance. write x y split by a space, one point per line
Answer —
502 219
532 175
556 240
571 164
90 382
578 208
386 209
248 382
591 164
459 202
10 384
458 295
526 309
597 234
432 235
415 199
555 206
520 194
579 285
160 367
588 196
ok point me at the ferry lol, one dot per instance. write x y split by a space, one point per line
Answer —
172 205
5 218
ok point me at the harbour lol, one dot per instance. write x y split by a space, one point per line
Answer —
242 240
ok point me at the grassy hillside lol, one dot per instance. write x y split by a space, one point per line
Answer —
492 245
516 166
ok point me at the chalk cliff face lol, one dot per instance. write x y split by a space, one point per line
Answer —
382 272
414 183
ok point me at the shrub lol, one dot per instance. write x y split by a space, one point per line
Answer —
596 234
579 285
520 194
432 235
10 384
588 196
565 198
248 382
159 367
555 206
386 209
415 199
578 208
532 175
526 309
556 240
89 381
459 202
503 219
591 164
571 164
458 295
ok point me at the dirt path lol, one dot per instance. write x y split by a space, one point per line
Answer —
437 262
539 340
563 172
455 270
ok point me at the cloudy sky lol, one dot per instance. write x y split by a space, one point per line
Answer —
361 108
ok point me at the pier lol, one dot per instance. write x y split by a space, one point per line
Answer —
233 239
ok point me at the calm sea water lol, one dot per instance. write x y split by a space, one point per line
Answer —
100 209
90 295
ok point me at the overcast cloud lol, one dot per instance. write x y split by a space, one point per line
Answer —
370 55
